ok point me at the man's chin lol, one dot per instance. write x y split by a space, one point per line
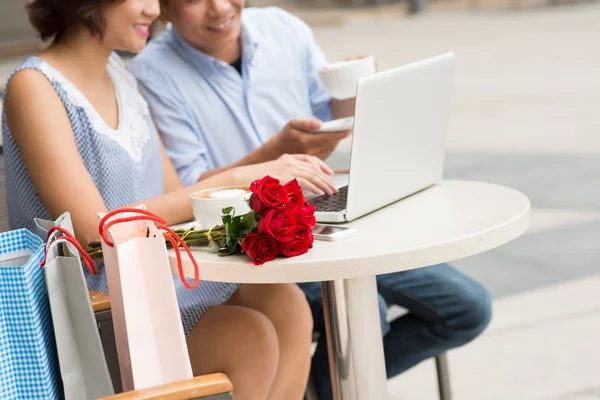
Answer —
221 41
224 37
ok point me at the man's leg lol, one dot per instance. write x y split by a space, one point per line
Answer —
320 360
447 309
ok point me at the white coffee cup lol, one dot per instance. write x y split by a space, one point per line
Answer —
208 204
341 78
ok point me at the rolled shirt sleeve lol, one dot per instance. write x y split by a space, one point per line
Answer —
320 99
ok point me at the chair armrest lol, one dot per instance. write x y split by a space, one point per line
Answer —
100 301
200 386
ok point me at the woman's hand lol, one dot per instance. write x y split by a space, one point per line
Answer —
312 173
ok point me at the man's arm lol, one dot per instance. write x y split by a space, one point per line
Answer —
295 138
342 108
322 104
345 108
187 150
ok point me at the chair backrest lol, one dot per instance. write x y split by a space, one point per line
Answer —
3 209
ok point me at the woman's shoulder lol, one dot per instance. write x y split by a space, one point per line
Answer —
36 77
30 72
29 81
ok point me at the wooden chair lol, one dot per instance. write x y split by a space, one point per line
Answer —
207 387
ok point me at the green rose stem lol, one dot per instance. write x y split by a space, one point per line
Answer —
191 237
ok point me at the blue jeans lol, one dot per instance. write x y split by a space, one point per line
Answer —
446 309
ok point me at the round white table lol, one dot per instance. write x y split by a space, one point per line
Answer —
448 221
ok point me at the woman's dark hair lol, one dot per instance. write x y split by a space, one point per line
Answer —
59 18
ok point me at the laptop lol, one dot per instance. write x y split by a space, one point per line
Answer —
398 141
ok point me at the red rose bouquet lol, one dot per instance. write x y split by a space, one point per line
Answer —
280 223
284 221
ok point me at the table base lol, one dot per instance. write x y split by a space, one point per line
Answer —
354 339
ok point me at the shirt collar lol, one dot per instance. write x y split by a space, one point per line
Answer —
249 45
249 39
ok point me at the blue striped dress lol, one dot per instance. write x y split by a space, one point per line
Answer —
124 163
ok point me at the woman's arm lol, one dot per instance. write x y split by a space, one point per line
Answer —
40 126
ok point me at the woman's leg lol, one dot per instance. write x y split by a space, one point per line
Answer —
239 342
286 306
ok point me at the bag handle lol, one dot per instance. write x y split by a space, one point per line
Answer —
170 235
54 233
68 238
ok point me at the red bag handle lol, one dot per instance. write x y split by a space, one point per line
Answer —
69 238
145 216
170 235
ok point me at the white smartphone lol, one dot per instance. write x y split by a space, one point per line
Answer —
331 233
337 125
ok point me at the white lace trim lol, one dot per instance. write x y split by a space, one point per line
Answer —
134 126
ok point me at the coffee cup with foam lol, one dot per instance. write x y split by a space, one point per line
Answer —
208 204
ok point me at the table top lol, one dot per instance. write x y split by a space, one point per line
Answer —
449 221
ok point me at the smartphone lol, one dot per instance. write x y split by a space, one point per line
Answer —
337 125
332 233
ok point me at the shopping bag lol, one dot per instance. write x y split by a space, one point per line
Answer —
149 333
81 357
28 363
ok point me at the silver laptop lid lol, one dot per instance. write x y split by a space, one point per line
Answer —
399 138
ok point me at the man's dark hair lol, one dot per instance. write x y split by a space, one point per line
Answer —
59 18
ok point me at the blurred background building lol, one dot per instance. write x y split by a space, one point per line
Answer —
16 35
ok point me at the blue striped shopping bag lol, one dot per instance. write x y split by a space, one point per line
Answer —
28 362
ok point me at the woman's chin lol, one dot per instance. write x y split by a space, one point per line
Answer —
132 47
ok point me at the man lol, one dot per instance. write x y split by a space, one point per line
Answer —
224 86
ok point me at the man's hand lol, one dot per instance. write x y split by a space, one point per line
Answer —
297 137
345 108
358 57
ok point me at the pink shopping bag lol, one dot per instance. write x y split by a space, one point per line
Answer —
149 334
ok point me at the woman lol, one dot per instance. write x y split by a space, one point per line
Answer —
79 137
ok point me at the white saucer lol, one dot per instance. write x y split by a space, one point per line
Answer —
342 124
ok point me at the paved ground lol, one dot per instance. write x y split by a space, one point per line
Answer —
525 114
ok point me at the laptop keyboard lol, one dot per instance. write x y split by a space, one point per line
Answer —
334 203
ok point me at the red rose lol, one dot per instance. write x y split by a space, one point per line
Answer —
295 247
260 248
267 193
307 216
296 200
306 232
279 224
